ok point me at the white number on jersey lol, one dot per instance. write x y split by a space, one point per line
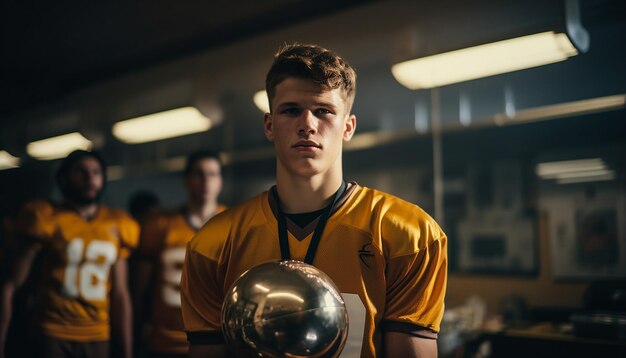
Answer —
172 260
87 271
356 322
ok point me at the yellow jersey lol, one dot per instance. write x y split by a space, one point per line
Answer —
387 256
72 298
164 238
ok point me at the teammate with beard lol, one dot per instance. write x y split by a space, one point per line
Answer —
82 298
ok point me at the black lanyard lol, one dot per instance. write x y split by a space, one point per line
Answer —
283 236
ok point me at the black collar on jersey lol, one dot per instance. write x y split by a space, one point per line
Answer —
88 218
304 219
283 236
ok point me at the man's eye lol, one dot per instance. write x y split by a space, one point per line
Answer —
292 111
322 111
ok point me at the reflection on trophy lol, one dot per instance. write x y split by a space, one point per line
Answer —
284 309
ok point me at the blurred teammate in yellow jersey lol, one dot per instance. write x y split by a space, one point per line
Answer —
387 256
162 251
82 291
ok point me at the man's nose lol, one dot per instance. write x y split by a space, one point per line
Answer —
308 124
90 177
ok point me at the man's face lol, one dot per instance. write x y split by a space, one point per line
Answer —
85 180
308 125
204 181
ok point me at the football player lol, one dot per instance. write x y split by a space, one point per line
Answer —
82 298
387 256
161 252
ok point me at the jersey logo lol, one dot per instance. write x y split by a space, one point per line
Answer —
365 253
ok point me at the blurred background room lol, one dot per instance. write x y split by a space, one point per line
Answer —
521 159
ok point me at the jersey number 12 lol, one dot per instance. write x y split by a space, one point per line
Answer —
87 270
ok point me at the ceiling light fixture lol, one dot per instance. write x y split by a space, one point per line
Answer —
162 125
550 170
58 147
575 171
567 109
7 161
508 55
610 175
261 101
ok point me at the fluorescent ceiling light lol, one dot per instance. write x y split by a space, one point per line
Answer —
58 147
567 109
585 174
610 175
7 161
552 169
261 101
162 125
484 60
575 171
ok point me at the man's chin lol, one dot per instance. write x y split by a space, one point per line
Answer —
306 171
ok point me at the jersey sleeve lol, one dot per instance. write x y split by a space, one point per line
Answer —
416 278
201 296
129 235
35 221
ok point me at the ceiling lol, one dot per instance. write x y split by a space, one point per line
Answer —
51 49
121 55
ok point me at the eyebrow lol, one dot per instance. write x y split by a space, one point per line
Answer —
296 104
288 104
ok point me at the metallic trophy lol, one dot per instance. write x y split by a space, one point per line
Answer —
284 309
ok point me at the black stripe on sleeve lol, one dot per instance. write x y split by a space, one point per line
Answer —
212 338
410 329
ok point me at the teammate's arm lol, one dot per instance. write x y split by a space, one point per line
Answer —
141 283
13 277
121 311
399 344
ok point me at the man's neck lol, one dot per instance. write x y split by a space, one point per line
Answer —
86 211
306 195
200 212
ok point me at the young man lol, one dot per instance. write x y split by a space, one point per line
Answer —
387 256
164 237
82 246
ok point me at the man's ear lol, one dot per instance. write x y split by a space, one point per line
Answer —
268 127
350 128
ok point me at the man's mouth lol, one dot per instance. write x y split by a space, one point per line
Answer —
307 144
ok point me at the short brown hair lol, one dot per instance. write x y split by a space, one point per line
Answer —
196 156
314 63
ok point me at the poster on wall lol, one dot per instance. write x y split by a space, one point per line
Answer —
497 244
587 232
497 233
